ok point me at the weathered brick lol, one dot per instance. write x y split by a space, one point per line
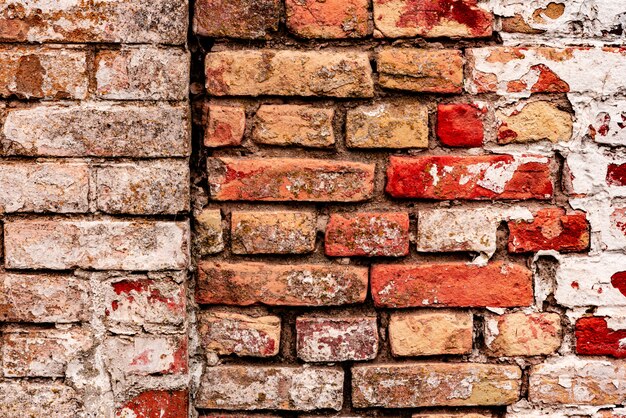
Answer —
103 245
300 125
432 19
333 339
44 187
236 415
454 415
367 234
570 380
551 229
142 73
535 121
273 232
43 72
595 337
147 187
139 21
460 125
467 229
146 355
98 130
616 175
289 73
451 284
604 119
388 125
520 334
284 388
506 70
43 298
248 19
226 333
275 284
411 385
156 403
290 179
208 236
430 333
329 19
473 178
422 70
36 352
225 125
31 399
137 302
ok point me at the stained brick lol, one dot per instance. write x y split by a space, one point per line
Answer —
411 385
460 125
595 337
472 178
451 284
535 121
53 399
225 126
275 284
290 179
156 403
329 19
146 355
208 236
248 19
520 334
301 125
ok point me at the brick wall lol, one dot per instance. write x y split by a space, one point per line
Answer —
308 208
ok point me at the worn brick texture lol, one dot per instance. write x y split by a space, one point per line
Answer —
313 208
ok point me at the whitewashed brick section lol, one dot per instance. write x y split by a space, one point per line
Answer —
604 121
586 172
146 187
44 187
35 399
146 355
101 245
98 130
142 73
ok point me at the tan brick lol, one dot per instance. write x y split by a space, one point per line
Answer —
101 245
289 73
301 125
97 129
53 400
145 355
430 333
571 380
535 121
139 21
147 187
388 125
44 187
142 73
228 333
329 19
43 298
226 125
273 232
280 284
410 385
43 72
284 388
38 352
520 334
208 236
423 70
248 19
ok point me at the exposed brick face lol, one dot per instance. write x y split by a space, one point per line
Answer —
460 125
331 19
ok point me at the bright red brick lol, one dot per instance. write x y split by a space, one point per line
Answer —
595 338
472 178
156 404
290 179
451 284
368 234
460 125
551 229
616 175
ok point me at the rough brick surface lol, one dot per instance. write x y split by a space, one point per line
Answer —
306 126
156 403
248 19
330 19
146 355
534 121
519 334
594 336
225 126
54 400
460 125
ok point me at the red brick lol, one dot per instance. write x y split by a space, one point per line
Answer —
156 404
225 125
432 18
616 175
595 338
471 178
368 234
248 19
330 19
337 339
460 125
290 179
551 229
451 284
275 284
